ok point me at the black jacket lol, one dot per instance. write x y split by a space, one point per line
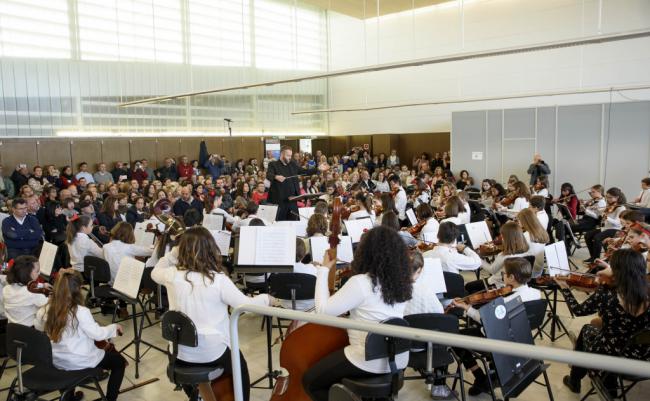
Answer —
281 191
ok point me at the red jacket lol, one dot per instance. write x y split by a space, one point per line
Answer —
139 175
258 197
185 170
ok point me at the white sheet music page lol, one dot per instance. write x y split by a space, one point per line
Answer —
246 249
129 276
46 258
432 267
479 233
320 245
275 246
300 226
344 251
222 238
142 237
306 212
213 221
429 238
556 259
357 227
411 216
268 212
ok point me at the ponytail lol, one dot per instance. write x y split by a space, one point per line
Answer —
74 226
365 200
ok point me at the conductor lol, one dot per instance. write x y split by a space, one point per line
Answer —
283 175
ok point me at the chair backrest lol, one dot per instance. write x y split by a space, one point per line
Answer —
62 258
435 322
455 285
147 282
34 345
380 346
178 328
530 259
99 267
536 312
301 285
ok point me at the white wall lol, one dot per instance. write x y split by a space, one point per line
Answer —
481 25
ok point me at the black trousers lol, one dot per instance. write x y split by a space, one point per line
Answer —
115 363
594 240
225 362
465 355
327 372
586 223
287 211
476 286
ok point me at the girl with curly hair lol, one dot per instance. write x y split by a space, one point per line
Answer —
379 291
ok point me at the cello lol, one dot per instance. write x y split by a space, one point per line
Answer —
305 346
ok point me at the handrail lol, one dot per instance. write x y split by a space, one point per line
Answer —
584 359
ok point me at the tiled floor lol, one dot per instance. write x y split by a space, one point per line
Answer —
254 348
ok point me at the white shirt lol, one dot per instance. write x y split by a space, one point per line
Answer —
613 221
205 302
84 174
596 209
423 199
364 304
524 292
423 300
246 222
81 247
431 227
543 192
645 198
227 216
455 220
303 304
381 186
452 261
21 305
116 250
520 204
400 203
536 249
542 216
76 349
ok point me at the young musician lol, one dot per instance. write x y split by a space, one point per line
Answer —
425 213
514 245
523 196
635 238
611 223
453 209
569 198
538 205
79 243
364 202
541 186
643 200
400 199
536 236
73 332
624 311
387 205
447 190
317 225
454 257
108 217
122 245
422 193
593 210
198 287
390 220
517 273
377 292
19 303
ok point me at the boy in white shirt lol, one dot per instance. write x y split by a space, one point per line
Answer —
538 205
453 257
643 200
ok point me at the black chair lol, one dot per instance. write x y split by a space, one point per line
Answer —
536 312
455 289
598 379
339 392
291 286
429 357
180 330
28 346
382 385
97 273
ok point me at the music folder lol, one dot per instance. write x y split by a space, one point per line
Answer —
262 249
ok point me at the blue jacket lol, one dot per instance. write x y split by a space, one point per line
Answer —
214 169
25 236
180 206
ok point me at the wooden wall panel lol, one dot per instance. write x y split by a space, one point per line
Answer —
339 145
215 145
253 148
360 140
230 149
54 152
167 148
89 151
114 150
411 145
190 148
144 149
322 144
294 143
16 151
381 144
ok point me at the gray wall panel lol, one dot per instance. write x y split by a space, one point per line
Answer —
494 144
546 142
518 155
468 137
519 123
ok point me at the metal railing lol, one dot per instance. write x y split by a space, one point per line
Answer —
584 359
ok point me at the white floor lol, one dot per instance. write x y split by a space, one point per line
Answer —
254 348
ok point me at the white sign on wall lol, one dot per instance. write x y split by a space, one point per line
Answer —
477 155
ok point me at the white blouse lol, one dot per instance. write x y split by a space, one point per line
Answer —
423 300
452 261
364 303
21 305
76 349
205 302
116 250
81 247
612 220
431 227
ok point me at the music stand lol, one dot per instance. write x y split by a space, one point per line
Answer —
298 198
509 322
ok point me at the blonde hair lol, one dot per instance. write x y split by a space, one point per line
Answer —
530 223
123 232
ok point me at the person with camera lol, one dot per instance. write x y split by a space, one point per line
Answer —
214 165
139 173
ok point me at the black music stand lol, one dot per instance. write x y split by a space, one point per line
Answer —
509 322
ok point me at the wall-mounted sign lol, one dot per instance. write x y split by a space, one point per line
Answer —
477 155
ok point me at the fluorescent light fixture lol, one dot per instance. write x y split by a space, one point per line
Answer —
179 134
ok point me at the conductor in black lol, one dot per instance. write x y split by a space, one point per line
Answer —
285 183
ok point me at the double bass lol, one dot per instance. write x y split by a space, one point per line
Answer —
305 346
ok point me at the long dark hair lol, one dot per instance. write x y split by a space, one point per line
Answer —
383 256
63 304
198 252
567 187
620 196
629 269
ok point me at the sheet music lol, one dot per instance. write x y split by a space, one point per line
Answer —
129 276
268 212
556 259
429 238
357 227
142 237
411 216
433 270
300 226
479 233
46 258
222 238
267 246
213 221
320 245
306 212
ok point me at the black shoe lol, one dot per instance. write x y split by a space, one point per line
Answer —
479 386
103 376
574 387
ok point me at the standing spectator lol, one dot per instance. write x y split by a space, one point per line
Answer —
102 176
214 165
22 232
167 171
139 173
120 173
538 168
7 188
20 176
185 169
83 173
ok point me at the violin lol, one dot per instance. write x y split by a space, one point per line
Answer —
576 279
38 287
416 229
334 240
394 192
347 211
485 296
426 246
509 199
